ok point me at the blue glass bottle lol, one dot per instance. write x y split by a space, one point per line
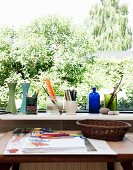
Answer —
94 101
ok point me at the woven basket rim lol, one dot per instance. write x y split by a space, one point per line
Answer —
125 124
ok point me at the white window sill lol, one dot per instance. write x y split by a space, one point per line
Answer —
64 116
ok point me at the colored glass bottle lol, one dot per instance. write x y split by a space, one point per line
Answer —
11 105
94 101
25 88
112 105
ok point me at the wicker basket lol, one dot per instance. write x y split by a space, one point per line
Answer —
109 130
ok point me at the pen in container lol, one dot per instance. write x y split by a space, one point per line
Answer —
74 94
70 95
65 95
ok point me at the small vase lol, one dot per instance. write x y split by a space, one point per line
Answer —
11 105
25 88
113 105
94 101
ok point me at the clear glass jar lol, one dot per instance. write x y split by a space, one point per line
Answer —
55 106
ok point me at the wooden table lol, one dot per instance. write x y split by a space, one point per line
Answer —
124 150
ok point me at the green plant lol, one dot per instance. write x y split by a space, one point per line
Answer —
108 25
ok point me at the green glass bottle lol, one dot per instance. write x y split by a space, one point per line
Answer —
111 104
11 105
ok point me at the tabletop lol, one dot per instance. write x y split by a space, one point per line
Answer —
123 150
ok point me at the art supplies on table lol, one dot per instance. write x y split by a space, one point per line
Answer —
53 142
43 134
62 143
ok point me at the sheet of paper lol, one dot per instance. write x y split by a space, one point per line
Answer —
36 145
101 146
33 144
14 145
129 136
24 145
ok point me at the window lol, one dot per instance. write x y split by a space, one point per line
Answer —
78 44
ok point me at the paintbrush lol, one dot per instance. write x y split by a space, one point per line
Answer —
53 101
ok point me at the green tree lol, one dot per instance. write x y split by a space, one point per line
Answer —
50 45
72 60
7 36
108 24
33 47
54 44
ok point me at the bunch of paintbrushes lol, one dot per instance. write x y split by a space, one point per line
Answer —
50 90
51 93
70 95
